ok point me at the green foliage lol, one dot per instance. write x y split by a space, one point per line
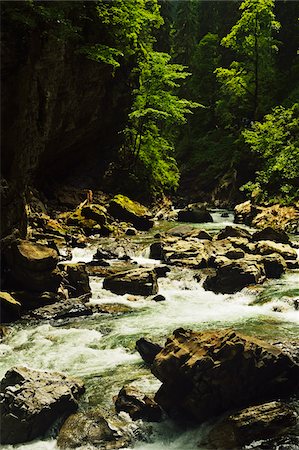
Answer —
276 142
103 53
246 83
156 109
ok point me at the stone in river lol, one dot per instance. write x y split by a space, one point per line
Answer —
136 282
253 424
204 374
32 400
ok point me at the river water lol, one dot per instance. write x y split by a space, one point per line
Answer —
100 349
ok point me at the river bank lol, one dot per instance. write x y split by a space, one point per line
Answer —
100 348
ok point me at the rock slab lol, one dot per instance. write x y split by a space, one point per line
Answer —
32 400
252 424
205 374
135 282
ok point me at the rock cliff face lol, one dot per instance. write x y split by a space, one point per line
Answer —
60 112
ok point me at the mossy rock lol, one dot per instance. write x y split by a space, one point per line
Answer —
91 218
127 210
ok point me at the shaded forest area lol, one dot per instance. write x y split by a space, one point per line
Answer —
198 95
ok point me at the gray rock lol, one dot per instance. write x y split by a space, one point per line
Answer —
93 428
33 400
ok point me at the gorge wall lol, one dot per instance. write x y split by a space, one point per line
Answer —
61 113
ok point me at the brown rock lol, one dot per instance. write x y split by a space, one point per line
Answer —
205 374
136 282
147 349
253 424
93 428
77 278
137 405
10 307
271 234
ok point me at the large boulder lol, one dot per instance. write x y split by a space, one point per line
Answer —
253 424
93 429
181 231
147 350
92 218
205 374
127 210
78 280
136 282
232 276
195 214
230 231
137 405
10 307
31 266
32 400
274 265
268 247
271 234
33 256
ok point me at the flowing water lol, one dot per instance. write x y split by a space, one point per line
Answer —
100 348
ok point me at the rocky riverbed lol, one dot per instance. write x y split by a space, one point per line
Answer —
184 335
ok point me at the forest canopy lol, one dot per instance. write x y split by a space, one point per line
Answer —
213 87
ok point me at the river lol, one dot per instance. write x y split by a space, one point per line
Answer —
100 348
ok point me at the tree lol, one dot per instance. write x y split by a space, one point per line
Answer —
156 110
276 142
247 82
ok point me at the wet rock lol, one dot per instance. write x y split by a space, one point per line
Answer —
32 266
276 216
32 256
203 235
156 250
30 300
93 428
161 271
112 308
230 231
253 424
224 214
268 247
104 254
291 264
137 405
181 231
274 265
194 214
10 307
136 282
271 234
63 309
232 276
147 349
127 210
131 231
32 400
78 280
205 374
157 298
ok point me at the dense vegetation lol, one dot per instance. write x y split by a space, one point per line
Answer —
226 71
